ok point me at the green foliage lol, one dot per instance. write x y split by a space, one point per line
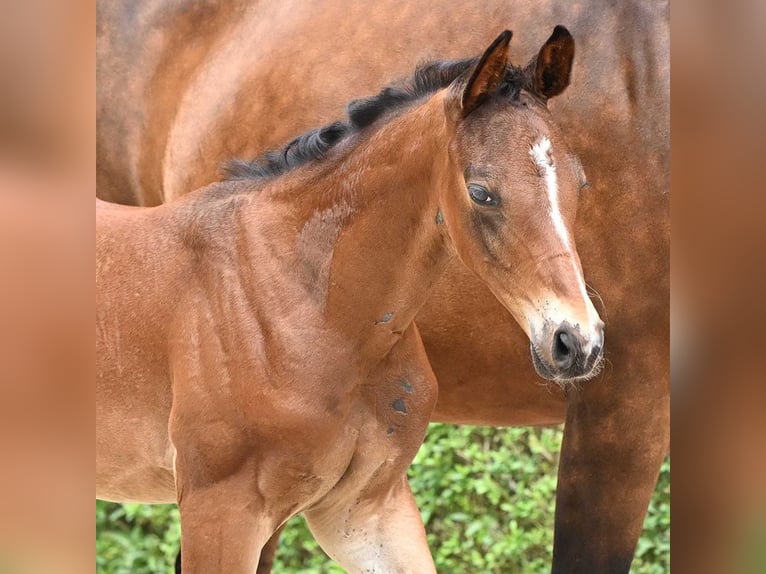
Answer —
136 538
752 550
486 496
653 549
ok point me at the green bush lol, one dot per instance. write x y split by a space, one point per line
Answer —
136 538
486 496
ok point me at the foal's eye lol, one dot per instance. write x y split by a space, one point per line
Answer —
481 195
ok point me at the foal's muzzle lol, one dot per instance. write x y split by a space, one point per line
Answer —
571 356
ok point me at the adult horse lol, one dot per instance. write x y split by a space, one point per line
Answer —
256 348
183 87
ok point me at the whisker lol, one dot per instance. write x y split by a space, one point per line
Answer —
547 384
593 293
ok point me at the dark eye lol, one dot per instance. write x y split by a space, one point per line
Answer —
481 195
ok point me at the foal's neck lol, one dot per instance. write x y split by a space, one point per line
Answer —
372 242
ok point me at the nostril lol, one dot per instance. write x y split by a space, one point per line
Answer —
565 348
561 348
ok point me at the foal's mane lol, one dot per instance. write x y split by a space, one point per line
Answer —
313 144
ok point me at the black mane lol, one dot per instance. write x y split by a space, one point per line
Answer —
313 144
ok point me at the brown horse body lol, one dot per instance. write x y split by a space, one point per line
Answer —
256 351
210 396
172 110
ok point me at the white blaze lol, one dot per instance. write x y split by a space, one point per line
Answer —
542 154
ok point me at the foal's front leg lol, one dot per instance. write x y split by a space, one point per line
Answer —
225 519
381 534
266 560
369 521
223 528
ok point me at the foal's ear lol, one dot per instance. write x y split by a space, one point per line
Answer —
487 74
548 74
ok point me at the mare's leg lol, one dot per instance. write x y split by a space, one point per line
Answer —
615 438
381 533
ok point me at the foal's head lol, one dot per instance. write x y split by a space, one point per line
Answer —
508 195
510 212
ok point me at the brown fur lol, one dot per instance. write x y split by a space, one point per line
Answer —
232 381
182 108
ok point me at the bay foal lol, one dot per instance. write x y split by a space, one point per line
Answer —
256 351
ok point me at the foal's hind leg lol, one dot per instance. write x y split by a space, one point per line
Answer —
381 534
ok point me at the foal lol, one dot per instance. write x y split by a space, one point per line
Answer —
256 351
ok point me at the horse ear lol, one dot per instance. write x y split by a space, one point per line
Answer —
548 74
487 74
